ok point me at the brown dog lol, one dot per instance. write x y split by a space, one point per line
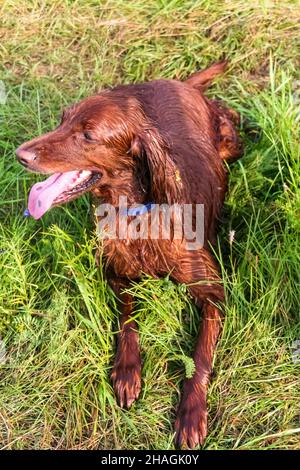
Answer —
162 142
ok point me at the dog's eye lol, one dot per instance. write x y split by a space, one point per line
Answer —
88 136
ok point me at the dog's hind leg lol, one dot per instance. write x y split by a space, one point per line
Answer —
126 373
229 145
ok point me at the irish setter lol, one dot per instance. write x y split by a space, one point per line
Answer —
159 142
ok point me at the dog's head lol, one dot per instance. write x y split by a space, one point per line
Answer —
99 141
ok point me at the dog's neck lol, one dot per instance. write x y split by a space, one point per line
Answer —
125 184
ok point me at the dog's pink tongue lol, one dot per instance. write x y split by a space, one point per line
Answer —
43 194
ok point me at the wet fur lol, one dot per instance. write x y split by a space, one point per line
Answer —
161 141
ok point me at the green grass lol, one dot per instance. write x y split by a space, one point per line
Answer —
56 311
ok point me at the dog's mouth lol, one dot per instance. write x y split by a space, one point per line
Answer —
58 189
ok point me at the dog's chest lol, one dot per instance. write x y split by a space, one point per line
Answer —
152 243
132 258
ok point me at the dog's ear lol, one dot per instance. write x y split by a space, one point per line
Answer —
165 179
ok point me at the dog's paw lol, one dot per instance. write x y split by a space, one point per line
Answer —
191 423
126 382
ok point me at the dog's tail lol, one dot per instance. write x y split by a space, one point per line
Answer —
203 79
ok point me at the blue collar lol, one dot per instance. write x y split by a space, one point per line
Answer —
139 210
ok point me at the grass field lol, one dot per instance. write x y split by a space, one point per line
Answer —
56 311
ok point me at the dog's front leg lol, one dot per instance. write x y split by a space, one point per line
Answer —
200 272
126 373
191 422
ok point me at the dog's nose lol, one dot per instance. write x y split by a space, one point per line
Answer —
25 156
